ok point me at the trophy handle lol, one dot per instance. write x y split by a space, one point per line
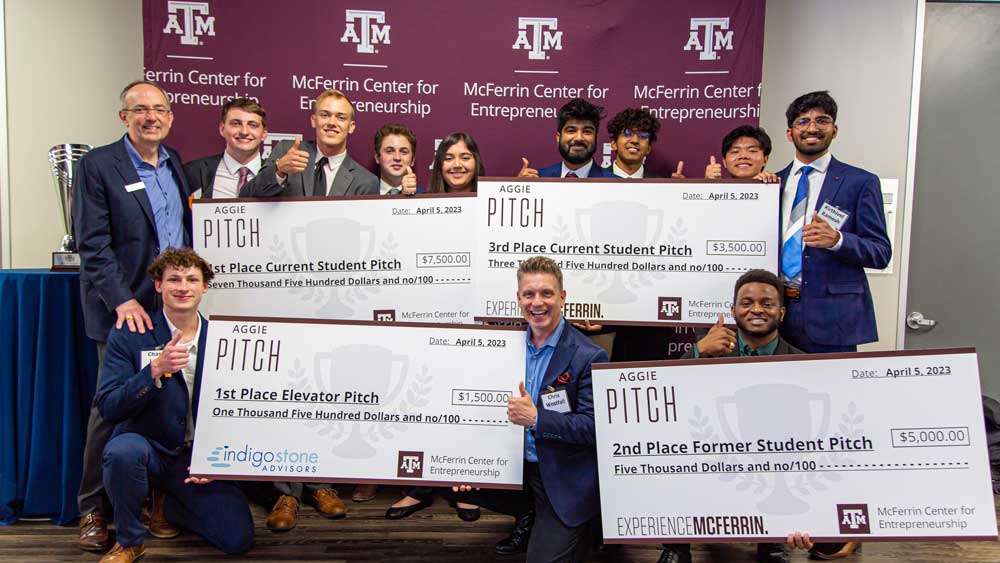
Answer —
371 241
824 424
295 233
404 362
721 403
318 368
658 214
579 224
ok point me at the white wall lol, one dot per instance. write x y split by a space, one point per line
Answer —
862 52
66 63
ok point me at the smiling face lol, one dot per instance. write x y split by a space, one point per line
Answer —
745 158
758 311
811 133
243 131
181 288
146 115
393 158
541 300
630 148
458 168
577 141
333 120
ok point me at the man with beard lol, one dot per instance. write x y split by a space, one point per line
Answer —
833 227
576 137
758 309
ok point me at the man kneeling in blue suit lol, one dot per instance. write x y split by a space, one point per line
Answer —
150 390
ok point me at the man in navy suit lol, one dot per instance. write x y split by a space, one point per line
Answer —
129 203
576 138
244 127
150 392
832 226
555 405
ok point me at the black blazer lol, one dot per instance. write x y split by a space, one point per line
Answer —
201 174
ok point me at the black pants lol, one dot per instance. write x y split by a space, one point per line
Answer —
92 499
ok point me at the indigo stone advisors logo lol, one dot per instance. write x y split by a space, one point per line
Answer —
282 461
410 465
669 309
853 519
217 456
190 20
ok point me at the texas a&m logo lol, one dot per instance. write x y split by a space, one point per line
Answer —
853 519
541 38
709 36
190 20
410 465
363 28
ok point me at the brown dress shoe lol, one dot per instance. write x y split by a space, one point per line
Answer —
94 533
284 515
364 493
158 525
119 554
327 503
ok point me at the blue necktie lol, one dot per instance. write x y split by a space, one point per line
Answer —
791 250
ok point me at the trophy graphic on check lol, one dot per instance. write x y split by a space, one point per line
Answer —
619 222
378 378
344 235
757 417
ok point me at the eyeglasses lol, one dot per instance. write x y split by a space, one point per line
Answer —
143 110
821 121
641 134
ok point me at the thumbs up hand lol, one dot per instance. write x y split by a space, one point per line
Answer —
409 184
521 408
714 169
172 359
293 161
679 174
526 171
719 341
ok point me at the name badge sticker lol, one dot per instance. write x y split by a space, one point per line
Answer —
833 215
147 357
134 187
557 401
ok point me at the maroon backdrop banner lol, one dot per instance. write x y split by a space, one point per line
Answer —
498 70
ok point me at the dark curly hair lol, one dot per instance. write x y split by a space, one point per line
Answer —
180 258
634 119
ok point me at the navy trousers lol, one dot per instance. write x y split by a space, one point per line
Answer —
217 511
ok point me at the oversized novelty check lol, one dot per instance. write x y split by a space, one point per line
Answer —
360 402
875 446
385 258
630 252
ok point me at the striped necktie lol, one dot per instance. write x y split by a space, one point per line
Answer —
791 250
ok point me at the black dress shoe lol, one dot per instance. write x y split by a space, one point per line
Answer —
772 553
468 514
398 513
675 553
517 541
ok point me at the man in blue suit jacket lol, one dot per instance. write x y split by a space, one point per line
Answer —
576 137
129 203
832 226
150 391
555 405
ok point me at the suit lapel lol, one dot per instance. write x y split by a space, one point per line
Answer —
831 184
202 339
207 173
345 175
561 358
129 176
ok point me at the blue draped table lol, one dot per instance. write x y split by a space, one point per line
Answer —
48 371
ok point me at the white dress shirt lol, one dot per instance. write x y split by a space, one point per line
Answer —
189 371
623 174
582 172
227 175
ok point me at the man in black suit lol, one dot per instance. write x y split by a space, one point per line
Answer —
130 203
244 127
321 168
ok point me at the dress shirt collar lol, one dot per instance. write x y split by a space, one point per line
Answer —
581 172
623 174
819 165
233 165
550 342
384 187
765 350
137 160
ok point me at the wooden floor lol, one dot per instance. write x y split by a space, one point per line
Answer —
434 534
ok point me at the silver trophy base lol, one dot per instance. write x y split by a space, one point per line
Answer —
65 261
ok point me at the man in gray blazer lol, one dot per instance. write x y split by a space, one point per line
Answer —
321 168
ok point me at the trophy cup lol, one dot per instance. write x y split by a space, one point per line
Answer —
63 158
757 417
377 377
321 236
618 222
